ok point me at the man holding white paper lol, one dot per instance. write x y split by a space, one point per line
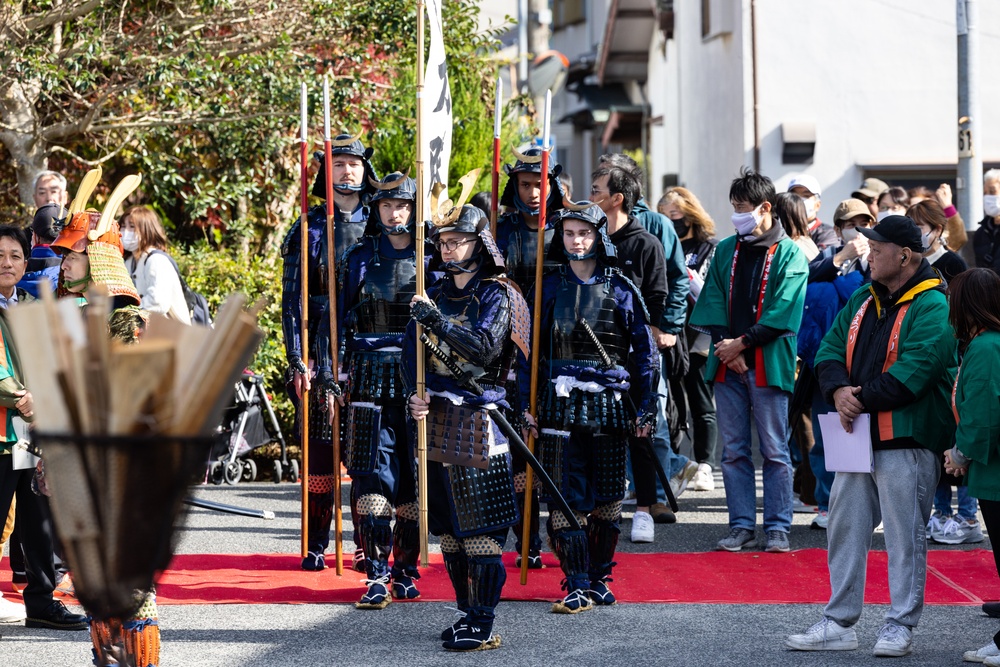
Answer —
891 355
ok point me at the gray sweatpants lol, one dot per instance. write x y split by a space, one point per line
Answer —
899 494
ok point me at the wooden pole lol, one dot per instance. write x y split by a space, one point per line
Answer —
331 263
536 335
304 305
495 192
421 235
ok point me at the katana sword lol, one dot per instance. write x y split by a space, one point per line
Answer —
465 379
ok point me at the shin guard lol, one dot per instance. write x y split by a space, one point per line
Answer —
405 554
457 565
486 579
602 536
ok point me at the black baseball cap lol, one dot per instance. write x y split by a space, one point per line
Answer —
898 229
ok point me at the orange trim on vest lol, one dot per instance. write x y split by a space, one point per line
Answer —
885 429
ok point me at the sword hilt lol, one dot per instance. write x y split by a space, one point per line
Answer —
464 378
605 358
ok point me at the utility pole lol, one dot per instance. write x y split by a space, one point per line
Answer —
970 162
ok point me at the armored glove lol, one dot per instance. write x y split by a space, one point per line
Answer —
427 314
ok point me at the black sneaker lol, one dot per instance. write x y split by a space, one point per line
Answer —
57 617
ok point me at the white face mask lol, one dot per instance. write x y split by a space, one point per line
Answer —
746 222
812 207
991 205
130 240
928 240
849 234
882 215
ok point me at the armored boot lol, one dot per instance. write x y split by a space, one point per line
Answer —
475 633
405 552
602 536
376 539
571 547
535 542
457 565
318 537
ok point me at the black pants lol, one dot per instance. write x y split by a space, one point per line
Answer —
698 410
643 463
991 517
35 527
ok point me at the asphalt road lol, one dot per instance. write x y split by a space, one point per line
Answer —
627 634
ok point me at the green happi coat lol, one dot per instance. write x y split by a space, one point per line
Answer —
11 381
977 408
782 310
925 363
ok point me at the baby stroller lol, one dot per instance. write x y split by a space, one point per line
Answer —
244 428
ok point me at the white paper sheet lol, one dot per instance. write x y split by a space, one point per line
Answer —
843 451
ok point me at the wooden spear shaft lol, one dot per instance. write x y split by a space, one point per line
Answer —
536 336
304 305
495 190
421 217
331 263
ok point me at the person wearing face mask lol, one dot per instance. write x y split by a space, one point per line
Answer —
751 306
152 270
852 252
807 188
869 193
697 235
893 201
932 223
986 240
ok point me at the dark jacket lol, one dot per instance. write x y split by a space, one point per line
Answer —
43 264
986 245
678 288
926 358
641 260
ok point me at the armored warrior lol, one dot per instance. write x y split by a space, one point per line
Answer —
481 321
351 170
379 281
517 238
596 320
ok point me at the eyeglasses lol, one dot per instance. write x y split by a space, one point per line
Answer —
451 246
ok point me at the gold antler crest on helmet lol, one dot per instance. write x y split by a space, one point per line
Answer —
390 185
445 213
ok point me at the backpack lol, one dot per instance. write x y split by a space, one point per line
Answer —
196 302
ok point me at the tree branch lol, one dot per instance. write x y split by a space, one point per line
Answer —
94 163
35 22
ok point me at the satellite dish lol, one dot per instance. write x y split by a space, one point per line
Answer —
547 72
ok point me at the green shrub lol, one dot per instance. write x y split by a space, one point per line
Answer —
216 273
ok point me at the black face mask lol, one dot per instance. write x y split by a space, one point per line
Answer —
681 226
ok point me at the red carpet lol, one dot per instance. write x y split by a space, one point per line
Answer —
953 578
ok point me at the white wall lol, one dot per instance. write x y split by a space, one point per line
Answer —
878 79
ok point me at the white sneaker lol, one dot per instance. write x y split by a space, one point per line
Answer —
979 655
893 641
959 530
992 661
642 527
703 480
827 635
680 481
936 524
821 520
11 612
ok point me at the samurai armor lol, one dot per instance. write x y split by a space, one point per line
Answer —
586 412
552 453
361 439
459 435
482 500
609 454
374 378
